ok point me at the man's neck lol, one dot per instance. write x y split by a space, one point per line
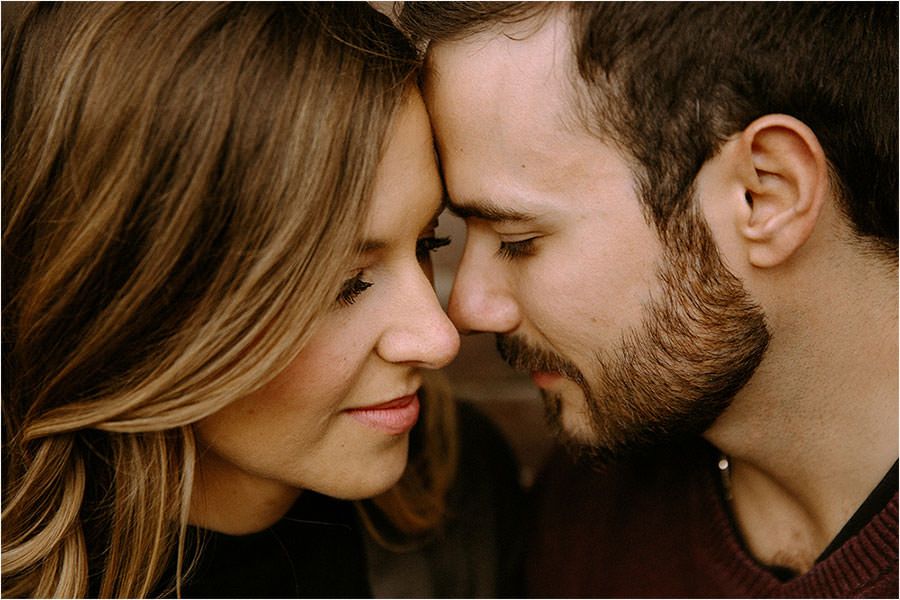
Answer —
815 430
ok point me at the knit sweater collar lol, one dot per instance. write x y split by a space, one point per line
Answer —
860 561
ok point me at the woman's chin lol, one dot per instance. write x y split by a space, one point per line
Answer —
371 479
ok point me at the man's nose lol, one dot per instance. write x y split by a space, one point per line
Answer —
481 300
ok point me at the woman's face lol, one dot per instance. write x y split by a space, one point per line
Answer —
337 419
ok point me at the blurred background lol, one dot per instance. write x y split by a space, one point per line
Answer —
479 375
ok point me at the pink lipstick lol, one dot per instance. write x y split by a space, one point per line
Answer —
393 417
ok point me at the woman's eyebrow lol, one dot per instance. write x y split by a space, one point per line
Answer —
373 245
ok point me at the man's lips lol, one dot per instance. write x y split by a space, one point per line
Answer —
545 379
393 417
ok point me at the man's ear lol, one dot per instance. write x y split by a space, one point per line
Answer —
785 174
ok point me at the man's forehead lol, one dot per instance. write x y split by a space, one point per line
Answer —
489 89
501 110
531 53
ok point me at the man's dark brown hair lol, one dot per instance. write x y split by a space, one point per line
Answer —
669 82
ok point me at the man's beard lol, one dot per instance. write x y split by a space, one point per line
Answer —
696 346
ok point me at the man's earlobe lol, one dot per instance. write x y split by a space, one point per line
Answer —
787 186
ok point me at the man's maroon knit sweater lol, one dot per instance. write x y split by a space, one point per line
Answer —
659 527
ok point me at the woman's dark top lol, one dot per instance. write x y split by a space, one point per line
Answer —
314 551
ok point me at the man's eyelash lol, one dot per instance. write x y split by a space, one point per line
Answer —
430 244
352 288
517 249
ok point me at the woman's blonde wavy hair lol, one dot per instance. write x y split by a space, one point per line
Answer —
183 185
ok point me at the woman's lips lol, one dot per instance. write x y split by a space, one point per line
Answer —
545 380
394 417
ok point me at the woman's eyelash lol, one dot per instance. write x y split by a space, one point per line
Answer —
430 244
355 286
517 249
352 288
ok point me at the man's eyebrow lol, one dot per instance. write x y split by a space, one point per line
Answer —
477 209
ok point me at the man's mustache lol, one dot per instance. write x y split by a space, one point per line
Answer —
524 357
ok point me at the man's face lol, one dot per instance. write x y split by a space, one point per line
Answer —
561 262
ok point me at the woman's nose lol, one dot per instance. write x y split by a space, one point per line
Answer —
420 332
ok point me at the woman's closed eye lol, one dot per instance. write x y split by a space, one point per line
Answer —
352 288
355 286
